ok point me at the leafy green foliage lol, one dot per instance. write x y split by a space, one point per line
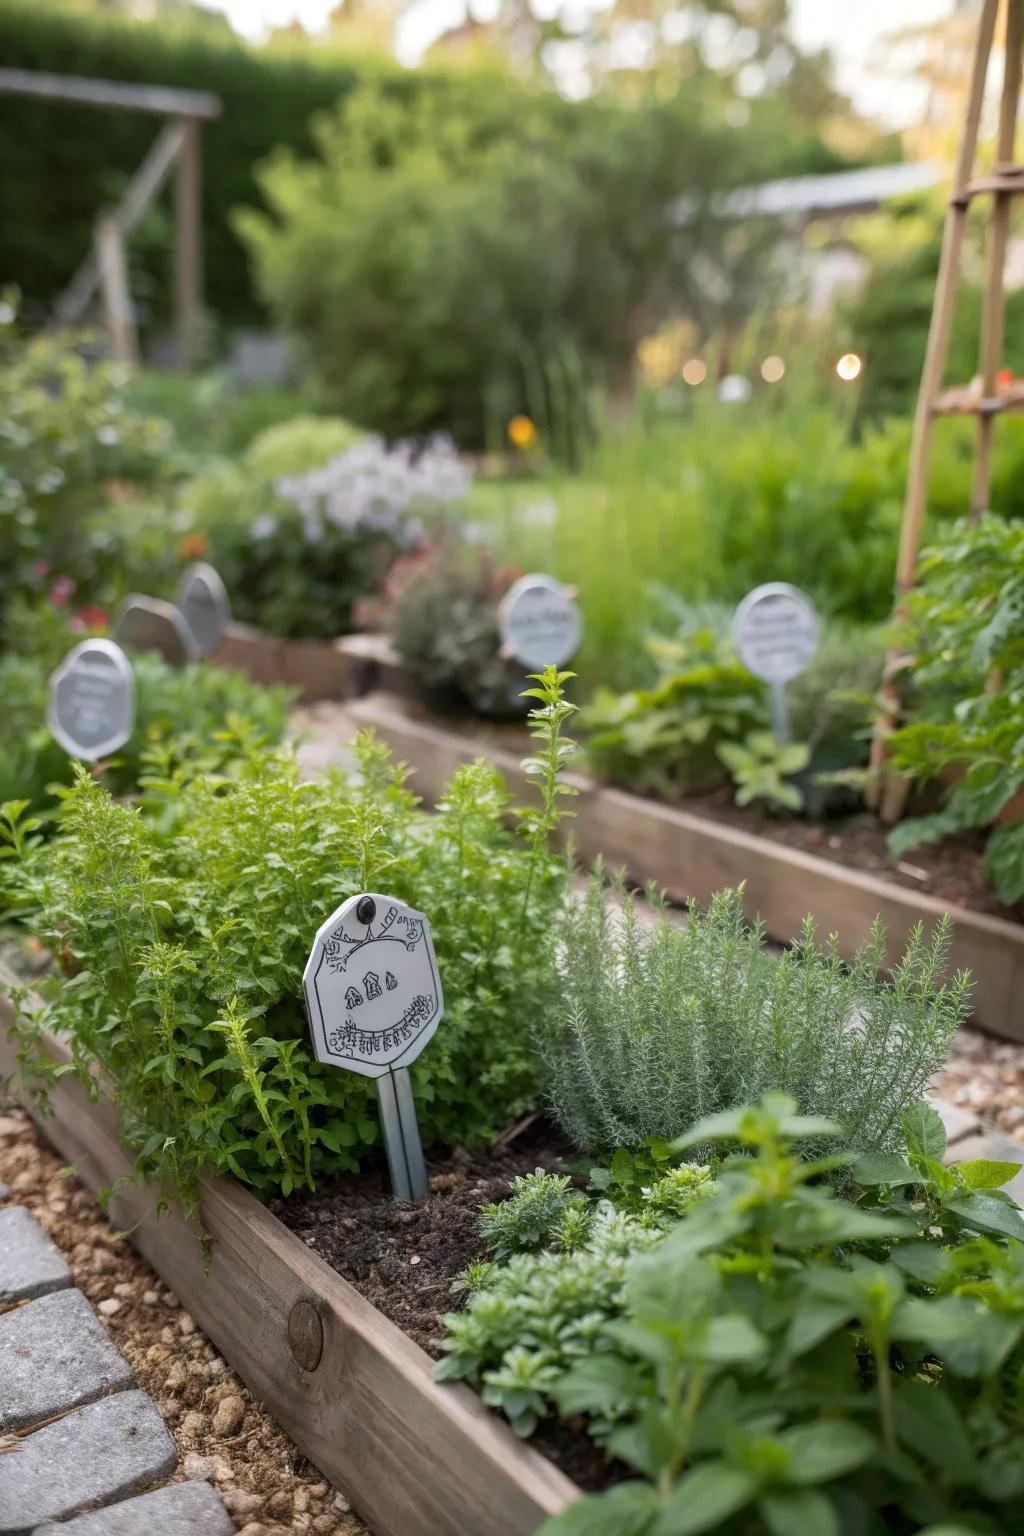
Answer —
659 1026
966 692
185 713
182 927
779 1358
66 434
666 740
760 766
706 711
452 257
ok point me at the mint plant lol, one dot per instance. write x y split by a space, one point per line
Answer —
780 1358
181 924
659 1026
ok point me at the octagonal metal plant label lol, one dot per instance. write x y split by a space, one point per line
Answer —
372 987
373 995
92 700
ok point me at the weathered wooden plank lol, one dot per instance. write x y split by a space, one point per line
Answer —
84 91
315 667
414 1457
691 856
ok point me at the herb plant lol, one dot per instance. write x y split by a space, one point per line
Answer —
778 1358
965 704
182 925
440 607
186 712
659 1026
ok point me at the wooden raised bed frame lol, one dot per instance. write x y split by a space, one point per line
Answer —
354 1393
692 856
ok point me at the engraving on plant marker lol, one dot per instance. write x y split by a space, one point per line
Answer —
204 605
372 988
776 631
540 622
92 700
150 624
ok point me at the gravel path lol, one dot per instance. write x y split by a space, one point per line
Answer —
987 1076
222 1433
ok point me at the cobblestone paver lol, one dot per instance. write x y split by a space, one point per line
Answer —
29 1263
183 1509
95 1455
56 1355
80 1438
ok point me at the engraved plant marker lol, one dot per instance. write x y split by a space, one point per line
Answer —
92 700
540 623
150 624
776 631
373 995
204 605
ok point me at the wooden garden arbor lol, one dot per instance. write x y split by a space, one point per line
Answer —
986 398
176 147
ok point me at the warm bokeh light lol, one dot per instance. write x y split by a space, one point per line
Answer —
694 371
772 369
522 432
849 366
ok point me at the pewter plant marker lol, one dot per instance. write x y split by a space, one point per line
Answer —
203 603
92 700
776 631
373 995
540 622
150 624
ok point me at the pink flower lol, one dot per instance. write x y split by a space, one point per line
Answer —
61 591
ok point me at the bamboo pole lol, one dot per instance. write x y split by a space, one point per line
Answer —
994 308
879 794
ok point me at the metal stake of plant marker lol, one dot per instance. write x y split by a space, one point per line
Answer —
776 632
373 995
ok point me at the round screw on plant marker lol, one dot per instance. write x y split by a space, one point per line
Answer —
366 910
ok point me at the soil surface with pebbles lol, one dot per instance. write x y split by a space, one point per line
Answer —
222 1433
986 1075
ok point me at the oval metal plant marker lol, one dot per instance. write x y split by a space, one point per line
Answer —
374 1000
150 624
776 631
92 700
541 625
203 601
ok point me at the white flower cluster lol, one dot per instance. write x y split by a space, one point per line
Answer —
374 487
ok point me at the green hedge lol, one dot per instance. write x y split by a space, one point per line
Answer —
62 163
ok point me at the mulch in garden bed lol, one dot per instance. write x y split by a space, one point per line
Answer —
403 1258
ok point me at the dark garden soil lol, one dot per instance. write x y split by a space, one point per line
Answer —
950 872
403 1258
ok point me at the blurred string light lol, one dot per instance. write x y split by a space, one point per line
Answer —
694 371
849 366
734 389
772 369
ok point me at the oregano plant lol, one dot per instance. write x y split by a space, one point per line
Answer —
180 923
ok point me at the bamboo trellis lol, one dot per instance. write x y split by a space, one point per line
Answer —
1004 181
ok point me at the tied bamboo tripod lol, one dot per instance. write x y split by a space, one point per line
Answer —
1006 179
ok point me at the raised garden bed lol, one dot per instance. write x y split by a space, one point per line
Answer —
691 856
353 1392
318 669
